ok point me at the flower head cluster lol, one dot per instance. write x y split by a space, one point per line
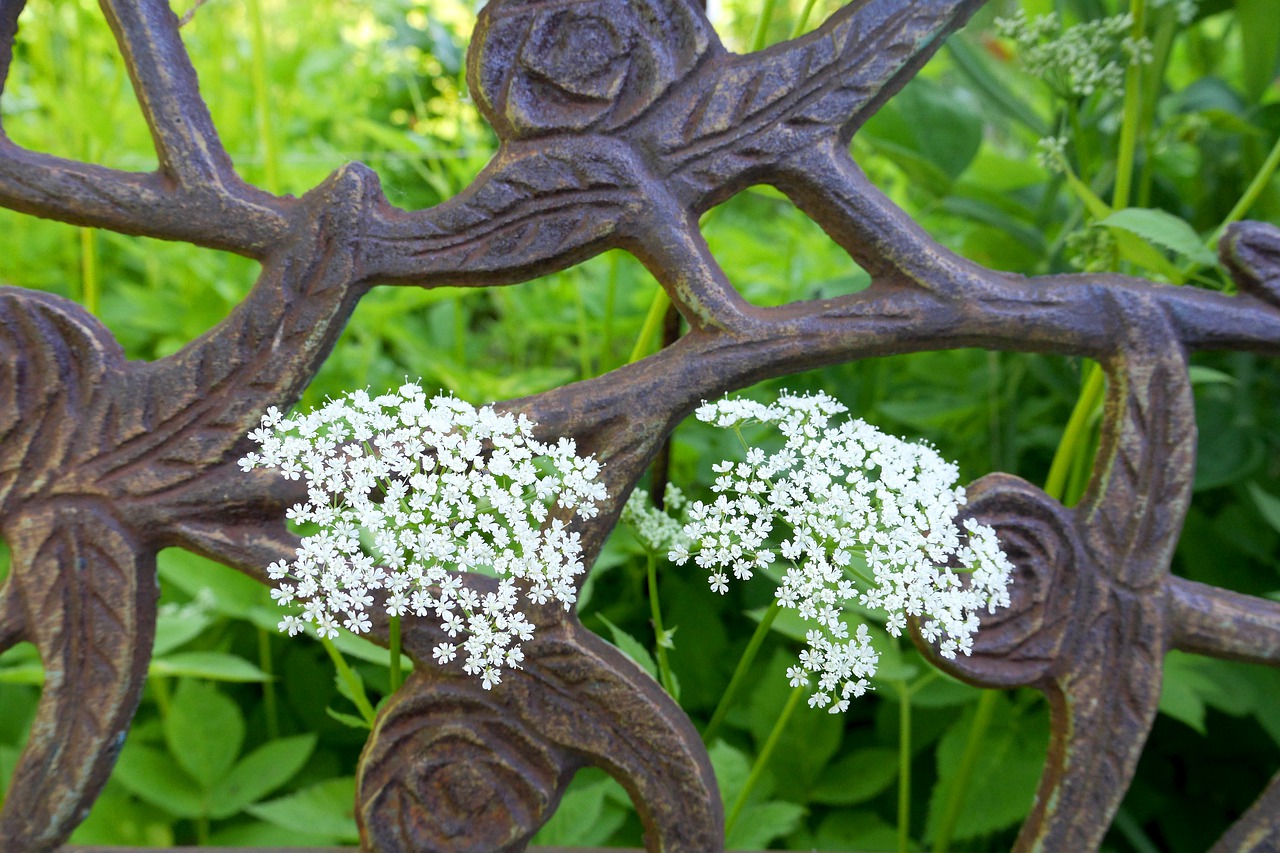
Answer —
657 530
836 494
403 492
1077 61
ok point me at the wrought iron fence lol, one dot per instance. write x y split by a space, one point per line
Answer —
103 461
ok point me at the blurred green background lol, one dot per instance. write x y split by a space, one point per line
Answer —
233 743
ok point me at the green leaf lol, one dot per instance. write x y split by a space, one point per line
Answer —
1005 775
1201 375
212 666
327 808
261 772
177 628
760 823
631 647
856 830
259 834
27 673
1183 690
732 768
204 731
857 777
120 819
586 817
1268 505
155 777
1163 229
349 720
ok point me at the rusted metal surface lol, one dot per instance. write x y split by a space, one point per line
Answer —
621 121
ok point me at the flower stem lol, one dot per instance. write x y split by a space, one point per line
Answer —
652 323
1075 438
968 761
740 672
904 768
397 677
1255 189
261 99
803 20
762 760
664 668
1125 159
761 34
349 678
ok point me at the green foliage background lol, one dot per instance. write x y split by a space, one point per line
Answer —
233 743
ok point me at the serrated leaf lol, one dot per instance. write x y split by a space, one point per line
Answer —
212 666
154 776
856 777
1163 229
261 772
204 730
327 808
631 647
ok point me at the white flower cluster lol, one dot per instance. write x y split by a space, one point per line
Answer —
1080 60
656 529
405 491
836 490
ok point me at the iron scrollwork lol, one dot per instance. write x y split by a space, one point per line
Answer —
620 122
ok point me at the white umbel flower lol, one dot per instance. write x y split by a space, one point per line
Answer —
836 490
405 491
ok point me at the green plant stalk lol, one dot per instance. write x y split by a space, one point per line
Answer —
1084 155
762 760
585 367
349 678
261 99
1251 194
1126 159
610 309
1075 439
652 325
393 631
89 279
90 287
761 33
740 672
904 768
803 20
664 668
968 761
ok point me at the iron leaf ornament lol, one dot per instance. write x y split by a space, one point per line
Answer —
620 122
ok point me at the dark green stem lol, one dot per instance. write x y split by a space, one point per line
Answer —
904 768
655 610
968 761
740 673
762 760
